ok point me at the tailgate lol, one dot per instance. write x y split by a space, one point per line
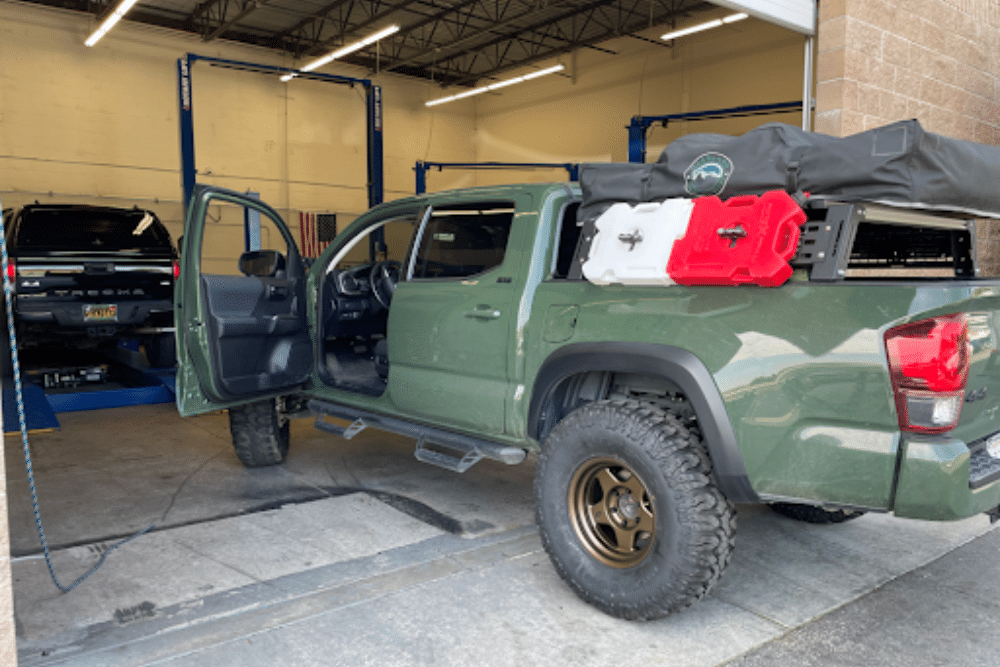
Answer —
93 279
956 473
980 417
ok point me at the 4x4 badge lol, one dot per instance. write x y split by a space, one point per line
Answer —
977 395
708 174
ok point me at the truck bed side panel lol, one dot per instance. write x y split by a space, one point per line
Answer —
801 368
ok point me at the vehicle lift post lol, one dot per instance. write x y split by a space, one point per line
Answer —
639 125
422 167
373 115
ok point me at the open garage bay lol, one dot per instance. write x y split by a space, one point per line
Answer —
354 553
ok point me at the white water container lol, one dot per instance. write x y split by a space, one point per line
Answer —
632 244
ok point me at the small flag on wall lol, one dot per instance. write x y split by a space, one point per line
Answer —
316 230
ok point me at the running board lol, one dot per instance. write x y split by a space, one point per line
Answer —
469 450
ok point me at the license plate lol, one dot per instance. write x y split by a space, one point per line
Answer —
105 312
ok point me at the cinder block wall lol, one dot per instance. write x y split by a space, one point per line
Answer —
935 60
880 61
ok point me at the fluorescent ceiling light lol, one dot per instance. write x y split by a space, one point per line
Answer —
732 18
497 85
343 51
110 22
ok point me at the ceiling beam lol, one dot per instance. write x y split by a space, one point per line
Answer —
248 7
617 30
436 50
319 16
512 36
204 8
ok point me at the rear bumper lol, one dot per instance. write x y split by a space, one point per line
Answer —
944 479
65 316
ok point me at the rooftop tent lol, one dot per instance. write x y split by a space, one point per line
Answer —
899 165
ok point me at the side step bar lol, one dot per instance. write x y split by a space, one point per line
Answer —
468 450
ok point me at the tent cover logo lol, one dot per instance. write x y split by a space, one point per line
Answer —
708 174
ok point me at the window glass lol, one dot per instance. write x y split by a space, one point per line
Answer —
388 241
83 228
225 237
462 241
569 236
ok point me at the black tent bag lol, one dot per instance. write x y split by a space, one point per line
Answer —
899 164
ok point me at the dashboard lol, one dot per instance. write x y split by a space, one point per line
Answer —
351 307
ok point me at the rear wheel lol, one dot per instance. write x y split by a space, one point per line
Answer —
629 511
813 514
260 434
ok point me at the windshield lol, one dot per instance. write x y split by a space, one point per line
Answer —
91 229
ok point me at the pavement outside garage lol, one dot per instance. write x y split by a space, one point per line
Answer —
355 553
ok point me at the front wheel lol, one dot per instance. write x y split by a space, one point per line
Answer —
629 511
260 434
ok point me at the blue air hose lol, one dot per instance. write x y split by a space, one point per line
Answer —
24 431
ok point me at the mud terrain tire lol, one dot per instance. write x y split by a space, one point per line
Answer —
260 435
629 510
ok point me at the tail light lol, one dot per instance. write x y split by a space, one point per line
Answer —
177 270
11 271
929 366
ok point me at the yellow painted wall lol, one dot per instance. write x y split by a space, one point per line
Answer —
100 125
554 119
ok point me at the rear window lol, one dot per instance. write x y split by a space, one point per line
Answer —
464 240
89 229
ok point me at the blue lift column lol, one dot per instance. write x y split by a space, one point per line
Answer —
421 170
376 189
373 96
186 128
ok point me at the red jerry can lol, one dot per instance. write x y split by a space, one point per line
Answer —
743 241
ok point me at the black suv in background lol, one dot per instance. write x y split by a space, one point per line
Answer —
85 276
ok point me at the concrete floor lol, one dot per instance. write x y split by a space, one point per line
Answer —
355 553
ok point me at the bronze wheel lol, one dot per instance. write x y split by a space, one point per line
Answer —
612 512
628 510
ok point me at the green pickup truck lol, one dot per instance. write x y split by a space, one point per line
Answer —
869 382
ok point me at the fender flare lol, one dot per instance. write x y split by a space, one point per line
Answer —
675 364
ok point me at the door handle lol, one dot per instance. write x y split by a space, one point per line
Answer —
483 313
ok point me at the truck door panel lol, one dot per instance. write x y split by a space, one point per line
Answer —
449 326
241 336
255 328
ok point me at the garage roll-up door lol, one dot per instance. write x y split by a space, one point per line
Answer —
797 15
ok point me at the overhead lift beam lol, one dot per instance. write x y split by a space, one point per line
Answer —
185 90
640 124
422 167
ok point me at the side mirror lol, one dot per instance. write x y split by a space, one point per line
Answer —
262 263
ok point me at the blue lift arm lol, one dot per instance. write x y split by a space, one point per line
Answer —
640 124
572 168
373 98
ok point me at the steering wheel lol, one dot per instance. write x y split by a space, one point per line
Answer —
383 278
